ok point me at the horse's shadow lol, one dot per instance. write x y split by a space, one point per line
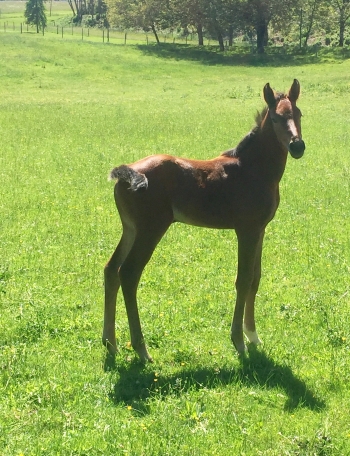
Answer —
136 383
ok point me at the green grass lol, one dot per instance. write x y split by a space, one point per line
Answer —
70 111
59 23
12 13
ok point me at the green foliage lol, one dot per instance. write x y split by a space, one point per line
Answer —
70 111
35 14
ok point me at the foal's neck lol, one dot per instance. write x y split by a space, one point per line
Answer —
262 153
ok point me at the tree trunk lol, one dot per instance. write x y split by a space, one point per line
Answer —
200 34
341 34
155 33
261 36
71 6
307 35
300 27
78 10
230 35
220 39
342 21
311 22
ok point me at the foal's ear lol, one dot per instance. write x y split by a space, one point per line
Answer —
269 96
294 91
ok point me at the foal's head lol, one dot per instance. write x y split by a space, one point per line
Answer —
286 116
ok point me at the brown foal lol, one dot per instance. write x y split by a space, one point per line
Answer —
237 190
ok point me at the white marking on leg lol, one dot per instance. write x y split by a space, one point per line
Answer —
252 336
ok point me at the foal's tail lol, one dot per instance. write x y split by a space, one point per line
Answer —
136 180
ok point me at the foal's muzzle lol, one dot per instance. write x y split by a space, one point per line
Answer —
297 148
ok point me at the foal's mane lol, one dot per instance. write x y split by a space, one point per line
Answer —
259 117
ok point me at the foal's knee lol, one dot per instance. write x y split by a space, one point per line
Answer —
243 284
128 276
110 271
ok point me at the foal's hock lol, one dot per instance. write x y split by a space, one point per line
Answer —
237 190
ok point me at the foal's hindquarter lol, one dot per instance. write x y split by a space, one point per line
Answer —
237 190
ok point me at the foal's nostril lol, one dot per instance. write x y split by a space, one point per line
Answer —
296 148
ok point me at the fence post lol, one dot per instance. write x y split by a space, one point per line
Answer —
125 38
108 35
147 40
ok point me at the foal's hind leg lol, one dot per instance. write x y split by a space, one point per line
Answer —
112 284
130 272
249 318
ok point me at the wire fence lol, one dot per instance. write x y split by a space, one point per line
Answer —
110 35
105 35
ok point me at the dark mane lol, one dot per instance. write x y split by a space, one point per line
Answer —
260 116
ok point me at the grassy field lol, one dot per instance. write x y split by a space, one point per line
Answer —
70 111
59 22
12 13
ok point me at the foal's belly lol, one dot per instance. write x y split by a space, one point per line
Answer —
226 213
205 221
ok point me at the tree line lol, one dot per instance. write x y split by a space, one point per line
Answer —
226 19
257 20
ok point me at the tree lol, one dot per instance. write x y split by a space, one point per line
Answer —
313 12
152 15
259 13
88 7
213 16
221 18
35 14
192 13
342 8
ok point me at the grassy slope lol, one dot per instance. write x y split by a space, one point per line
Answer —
71 111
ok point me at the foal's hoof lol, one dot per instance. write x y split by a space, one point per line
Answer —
111 348
252 336
144 356
241 349
240 346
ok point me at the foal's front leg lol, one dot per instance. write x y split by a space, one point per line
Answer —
249 327
248 253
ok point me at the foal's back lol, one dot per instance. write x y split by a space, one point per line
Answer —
216 193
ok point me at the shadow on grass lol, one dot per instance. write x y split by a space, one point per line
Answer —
274 57
137 383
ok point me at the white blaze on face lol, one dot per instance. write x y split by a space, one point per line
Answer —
286 128
292 129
